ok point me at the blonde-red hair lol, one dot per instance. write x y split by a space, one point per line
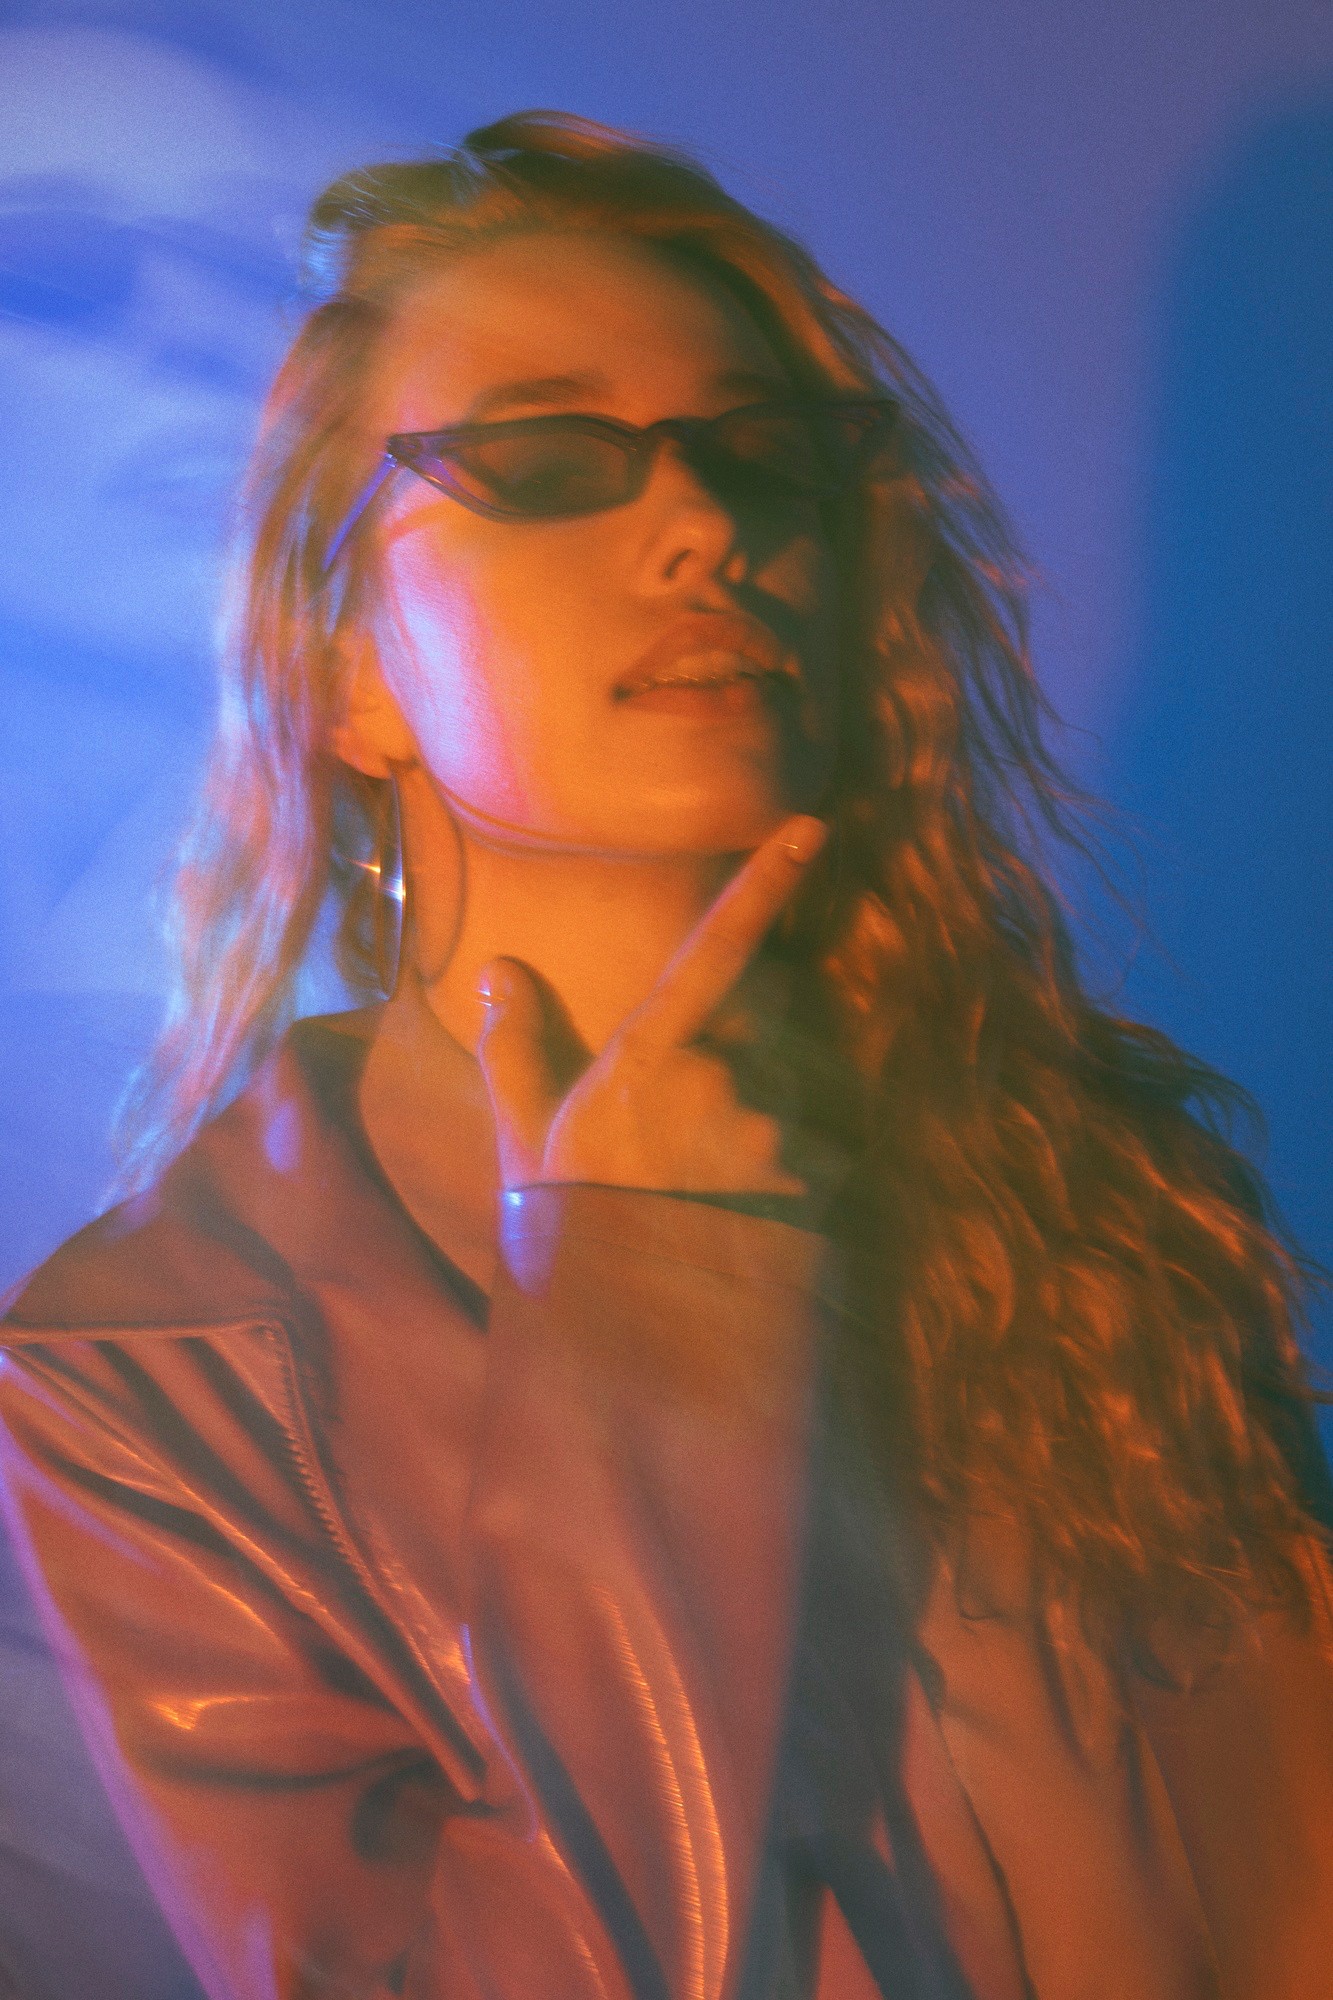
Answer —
1076 1314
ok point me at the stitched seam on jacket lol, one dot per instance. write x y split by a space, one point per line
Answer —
305 1457
26 1333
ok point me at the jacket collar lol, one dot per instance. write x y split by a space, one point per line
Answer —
297 1183
427 1117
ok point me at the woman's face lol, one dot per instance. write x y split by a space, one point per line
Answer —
550 671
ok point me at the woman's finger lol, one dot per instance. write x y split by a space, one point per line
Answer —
513 1061
726 937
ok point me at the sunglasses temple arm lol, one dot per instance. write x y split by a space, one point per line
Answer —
358 507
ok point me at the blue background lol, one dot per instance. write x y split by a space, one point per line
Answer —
1104 231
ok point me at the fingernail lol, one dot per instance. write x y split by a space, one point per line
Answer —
493 986
805 840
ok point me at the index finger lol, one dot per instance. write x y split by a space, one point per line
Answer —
727 936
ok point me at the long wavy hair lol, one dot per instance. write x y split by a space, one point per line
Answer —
1077 1313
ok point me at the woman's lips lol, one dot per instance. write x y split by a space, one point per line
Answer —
710 664
708 684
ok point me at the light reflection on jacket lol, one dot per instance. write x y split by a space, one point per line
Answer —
549 1644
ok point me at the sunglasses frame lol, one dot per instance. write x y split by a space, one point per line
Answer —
642 442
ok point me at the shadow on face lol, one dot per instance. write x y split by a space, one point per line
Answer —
516 648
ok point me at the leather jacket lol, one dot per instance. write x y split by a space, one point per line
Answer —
538 1639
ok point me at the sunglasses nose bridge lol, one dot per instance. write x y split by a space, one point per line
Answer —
678 428
688 434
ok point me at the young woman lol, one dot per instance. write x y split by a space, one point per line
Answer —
736 1436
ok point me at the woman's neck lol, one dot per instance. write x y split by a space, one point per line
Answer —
598 931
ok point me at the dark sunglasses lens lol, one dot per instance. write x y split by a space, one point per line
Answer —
543 474
785 446
813 452
69 271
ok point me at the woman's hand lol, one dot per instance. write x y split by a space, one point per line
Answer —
650 1111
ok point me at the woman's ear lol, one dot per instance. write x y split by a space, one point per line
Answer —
370 731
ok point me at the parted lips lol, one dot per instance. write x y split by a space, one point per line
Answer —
703 633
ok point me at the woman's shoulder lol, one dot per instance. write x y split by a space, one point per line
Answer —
217 1239
143 1265
195 1347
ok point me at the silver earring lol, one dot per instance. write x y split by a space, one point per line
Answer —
390 906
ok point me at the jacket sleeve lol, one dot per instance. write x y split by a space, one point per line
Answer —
283 1811
635 1541
630 1556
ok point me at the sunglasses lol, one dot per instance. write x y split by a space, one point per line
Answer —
763 456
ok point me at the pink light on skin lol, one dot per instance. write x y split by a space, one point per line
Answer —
581 830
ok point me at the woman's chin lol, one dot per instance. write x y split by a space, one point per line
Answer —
708 826
733 810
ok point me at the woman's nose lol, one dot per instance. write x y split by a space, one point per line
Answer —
693 528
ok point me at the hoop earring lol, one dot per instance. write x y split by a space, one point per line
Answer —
389 917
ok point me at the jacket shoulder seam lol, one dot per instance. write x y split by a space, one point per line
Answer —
20 1333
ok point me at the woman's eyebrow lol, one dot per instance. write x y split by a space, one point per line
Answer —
751 382
557 390
542 389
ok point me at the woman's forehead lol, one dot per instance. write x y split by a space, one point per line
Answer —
577 317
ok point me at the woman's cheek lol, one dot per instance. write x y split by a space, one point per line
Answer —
494 658
435 649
